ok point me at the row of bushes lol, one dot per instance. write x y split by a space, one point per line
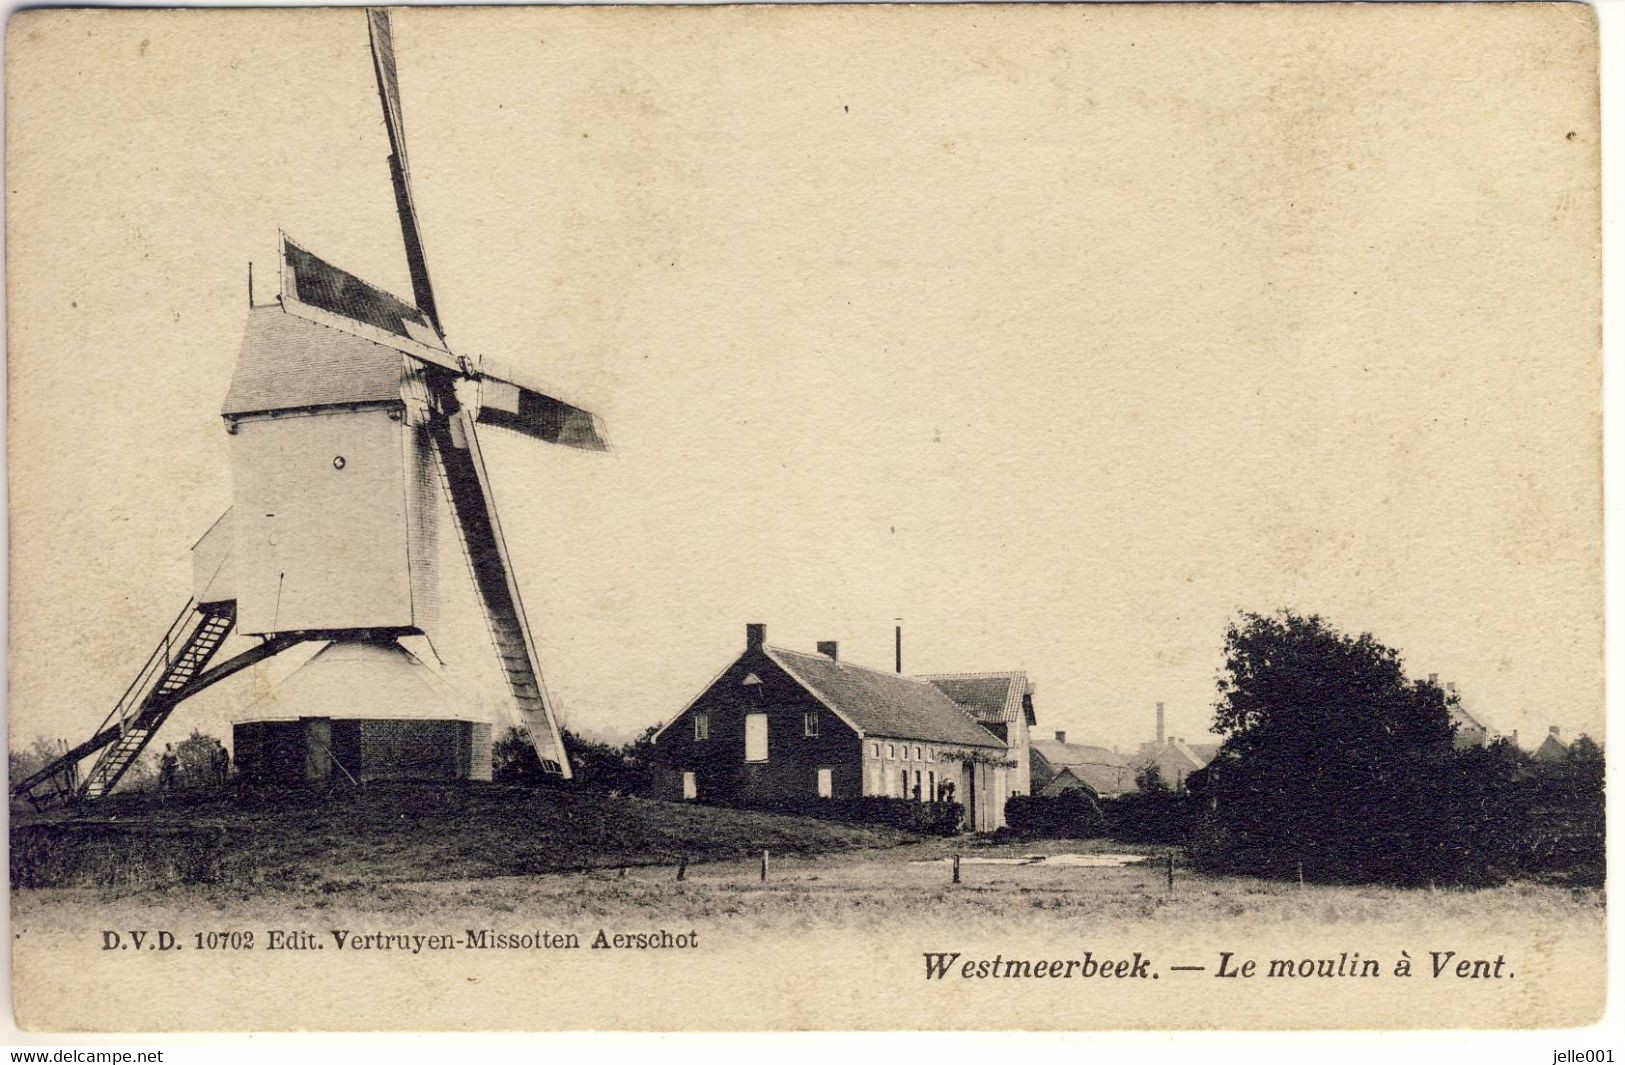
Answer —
1157 816
1481 816
922 818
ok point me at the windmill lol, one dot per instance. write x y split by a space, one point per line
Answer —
349 418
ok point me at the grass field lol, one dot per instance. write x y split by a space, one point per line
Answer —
846 908
426 849
402 832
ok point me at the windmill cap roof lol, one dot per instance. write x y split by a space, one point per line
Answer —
363 678
287 362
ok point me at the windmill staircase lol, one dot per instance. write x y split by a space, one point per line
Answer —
167 677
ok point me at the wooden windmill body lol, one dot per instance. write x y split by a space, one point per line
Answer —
347 429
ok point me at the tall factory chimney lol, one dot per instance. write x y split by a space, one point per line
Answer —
899 645
1159 725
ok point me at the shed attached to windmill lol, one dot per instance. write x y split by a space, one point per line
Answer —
362 710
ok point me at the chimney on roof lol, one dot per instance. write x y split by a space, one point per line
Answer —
1060 736
1556 731
1160 737
1450 687
830 648
899 645
1514 737
1433 679
755 636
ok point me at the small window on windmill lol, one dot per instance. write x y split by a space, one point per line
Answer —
702 726
809 724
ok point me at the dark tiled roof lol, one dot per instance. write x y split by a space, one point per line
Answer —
288 362
882 703
992 698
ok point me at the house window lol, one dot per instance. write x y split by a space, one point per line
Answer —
691 789
919 787
916 754
891 750
702 726
809 723
877 750
826 784
931 786
755 737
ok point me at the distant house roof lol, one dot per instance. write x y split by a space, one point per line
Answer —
881 703
1175 758
1462 719
1060 754
1204 752
288 362
1104 770
1551 749
1066 780
991 698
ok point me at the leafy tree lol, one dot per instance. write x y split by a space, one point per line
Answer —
1332 757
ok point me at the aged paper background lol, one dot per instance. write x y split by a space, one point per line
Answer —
1062 332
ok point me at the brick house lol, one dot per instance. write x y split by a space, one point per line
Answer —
780 725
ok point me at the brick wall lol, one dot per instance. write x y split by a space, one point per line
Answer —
793 758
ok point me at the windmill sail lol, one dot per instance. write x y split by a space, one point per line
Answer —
452 428
474 509
508 405
389 93
310 279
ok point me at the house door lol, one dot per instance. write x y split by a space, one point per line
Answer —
755 737
970 795
826 784
691 788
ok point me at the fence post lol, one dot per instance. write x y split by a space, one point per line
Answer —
764 867
682 867
1170 870
1300 876
956 868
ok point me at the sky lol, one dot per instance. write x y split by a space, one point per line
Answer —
1063 338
